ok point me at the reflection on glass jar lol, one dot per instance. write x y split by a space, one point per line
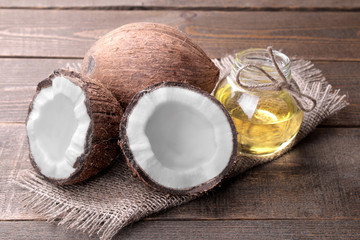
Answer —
266 121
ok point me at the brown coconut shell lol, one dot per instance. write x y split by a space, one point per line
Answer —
139 172
138 55
102 135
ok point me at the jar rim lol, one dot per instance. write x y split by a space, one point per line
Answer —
284 64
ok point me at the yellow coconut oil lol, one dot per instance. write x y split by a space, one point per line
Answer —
266 121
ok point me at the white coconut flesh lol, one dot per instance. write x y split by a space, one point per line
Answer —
179 137
57 128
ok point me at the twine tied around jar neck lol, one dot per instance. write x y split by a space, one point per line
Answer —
277 85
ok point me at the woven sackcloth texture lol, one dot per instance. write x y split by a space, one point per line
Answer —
115 198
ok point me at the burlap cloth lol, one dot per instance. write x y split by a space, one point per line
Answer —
114 199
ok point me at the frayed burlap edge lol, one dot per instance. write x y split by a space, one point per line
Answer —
109 202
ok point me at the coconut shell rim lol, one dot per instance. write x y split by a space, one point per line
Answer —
83 171
79 162
136 169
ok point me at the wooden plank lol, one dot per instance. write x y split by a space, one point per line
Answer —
37 230
319 179
18 80
187 4
309 35
14 157
344 76
244 229
16 91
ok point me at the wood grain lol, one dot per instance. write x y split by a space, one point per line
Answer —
19 78
14 157
316 180
244 229
60 33
32 230
311 193
188 4
344 76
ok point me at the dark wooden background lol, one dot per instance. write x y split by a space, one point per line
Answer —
311 193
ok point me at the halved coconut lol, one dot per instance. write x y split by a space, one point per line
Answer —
178 138
72 128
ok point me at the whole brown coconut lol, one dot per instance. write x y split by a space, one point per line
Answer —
72 127
136 56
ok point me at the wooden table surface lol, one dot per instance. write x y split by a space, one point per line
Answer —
311 193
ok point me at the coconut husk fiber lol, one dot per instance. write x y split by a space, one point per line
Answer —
110 201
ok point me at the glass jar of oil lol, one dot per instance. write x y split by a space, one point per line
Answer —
266 121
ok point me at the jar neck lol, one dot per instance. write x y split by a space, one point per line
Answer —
260 58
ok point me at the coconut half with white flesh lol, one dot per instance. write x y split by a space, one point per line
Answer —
178 138
72 128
